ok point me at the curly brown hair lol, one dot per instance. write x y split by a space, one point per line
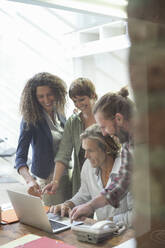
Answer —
30 108
112 103
106 143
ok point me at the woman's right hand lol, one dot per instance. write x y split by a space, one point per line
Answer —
50 188
34 188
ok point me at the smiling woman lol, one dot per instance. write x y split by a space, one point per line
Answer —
42 108
83 94
46 98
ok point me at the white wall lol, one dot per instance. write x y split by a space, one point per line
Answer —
32 40
109 71
29 43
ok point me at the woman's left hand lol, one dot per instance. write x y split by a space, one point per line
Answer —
50 188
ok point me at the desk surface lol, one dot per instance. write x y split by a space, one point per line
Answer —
13 231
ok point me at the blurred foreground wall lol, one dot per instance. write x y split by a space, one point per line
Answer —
146 20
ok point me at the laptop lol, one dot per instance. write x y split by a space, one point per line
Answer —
30 210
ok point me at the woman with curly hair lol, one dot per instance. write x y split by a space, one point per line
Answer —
42 108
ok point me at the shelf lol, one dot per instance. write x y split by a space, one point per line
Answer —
101 46
105 38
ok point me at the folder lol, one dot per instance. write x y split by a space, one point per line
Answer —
33 241
45 242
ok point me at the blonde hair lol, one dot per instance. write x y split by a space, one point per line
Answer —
106 143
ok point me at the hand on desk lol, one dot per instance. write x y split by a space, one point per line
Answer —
64 209
81 212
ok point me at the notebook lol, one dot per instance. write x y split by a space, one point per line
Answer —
9 216
29 209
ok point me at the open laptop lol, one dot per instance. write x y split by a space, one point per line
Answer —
29 209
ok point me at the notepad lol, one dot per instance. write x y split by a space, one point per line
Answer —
20 241
9 216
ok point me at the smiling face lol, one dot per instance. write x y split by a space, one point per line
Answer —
94 153
83 103
45 98
107 126
114 127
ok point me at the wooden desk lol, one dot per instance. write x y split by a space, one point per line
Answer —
13 231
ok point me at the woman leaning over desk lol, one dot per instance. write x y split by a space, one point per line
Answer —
83 94
42 108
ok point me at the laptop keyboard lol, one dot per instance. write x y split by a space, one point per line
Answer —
56 225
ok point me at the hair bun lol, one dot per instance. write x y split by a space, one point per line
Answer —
123 92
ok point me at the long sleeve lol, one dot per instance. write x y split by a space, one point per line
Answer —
66 145
83 195
23 145
126 216
71 143
119 186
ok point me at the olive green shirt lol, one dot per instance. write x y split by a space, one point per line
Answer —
71 142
